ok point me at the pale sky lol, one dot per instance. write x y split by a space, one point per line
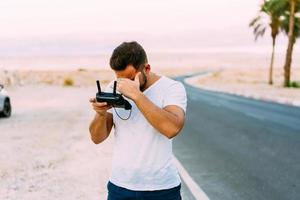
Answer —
97 25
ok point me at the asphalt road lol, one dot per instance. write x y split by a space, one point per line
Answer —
238 148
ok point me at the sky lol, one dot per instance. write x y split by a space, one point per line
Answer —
93 26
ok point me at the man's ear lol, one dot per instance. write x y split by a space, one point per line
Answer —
147 68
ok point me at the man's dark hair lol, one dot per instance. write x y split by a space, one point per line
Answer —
128 53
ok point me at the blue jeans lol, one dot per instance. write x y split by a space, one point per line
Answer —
118 193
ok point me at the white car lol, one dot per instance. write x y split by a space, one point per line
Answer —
5 106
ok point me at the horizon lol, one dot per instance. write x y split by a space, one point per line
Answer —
40 27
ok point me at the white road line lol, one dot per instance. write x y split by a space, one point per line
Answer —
191 184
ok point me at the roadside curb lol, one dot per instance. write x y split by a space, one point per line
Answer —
281 100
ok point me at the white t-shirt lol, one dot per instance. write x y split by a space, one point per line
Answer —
142 156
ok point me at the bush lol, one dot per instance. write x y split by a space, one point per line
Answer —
294 84
82 70
68 82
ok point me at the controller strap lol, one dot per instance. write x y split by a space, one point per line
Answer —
120 116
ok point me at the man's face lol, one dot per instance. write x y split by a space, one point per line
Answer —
130 73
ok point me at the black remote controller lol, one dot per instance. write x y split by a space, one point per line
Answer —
114 99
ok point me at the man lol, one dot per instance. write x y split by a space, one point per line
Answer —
142 166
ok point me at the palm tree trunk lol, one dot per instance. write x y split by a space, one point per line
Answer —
272 62
289 52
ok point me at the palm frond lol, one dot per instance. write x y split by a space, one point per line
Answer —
254 21
257 28
278 7
260 33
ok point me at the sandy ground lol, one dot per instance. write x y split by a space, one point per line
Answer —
46 148
46 151
251 82
81 77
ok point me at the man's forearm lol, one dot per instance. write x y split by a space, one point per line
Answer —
98 128
162 120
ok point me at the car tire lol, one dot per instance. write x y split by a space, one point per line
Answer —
6 109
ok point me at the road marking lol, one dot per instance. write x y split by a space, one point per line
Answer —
191 184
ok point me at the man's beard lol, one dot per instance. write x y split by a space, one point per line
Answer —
142 86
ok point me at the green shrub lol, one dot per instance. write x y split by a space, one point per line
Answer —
294 84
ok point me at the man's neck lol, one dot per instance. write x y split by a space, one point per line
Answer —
151 79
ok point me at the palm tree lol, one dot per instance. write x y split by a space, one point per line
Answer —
291 26
260 25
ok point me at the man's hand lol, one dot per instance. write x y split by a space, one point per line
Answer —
102 123
129 88
100 107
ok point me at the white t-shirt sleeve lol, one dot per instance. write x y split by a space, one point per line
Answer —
175 94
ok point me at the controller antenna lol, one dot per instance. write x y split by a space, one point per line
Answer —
98 86
115 88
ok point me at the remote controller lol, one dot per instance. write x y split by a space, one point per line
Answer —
114 99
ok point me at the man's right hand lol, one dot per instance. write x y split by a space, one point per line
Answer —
100 107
